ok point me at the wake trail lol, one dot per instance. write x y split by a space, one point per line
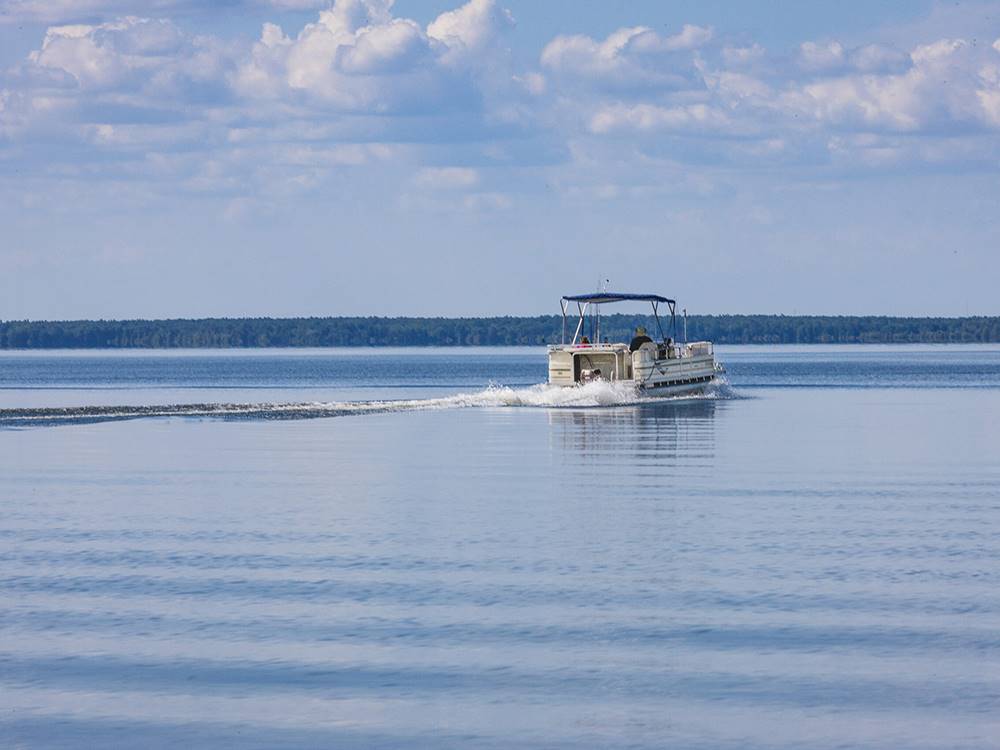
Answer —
595 394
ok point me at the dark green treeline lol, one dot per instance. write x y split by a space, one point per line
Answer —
506 331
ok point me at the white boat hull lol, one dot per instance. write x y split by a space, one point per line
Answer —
679 390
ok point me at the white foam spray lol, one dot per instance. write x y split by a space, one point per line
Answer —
598 393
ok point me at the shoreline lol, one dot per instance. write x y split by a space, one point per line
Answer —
412 332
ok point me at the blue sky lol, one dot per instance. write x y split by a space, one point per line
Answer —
172 158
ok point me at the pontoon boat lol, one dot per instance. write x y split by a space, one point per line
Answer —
661 365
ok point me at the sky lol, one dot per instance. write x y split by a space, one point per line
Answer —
176 158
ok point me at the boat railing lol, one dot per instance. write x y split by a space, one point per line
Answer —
692 349
606 347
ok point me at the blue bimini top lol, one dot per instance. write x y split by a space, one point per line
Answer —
604 297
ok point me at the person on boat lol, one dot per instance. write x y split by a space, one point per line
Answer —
585 341
639 339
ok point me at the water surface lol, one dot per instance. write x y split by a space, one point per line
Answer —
810 559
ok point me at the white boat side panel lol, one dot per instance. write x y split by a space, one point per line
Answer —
561 368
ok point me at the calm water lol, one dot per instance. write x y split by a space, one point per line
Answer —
396 557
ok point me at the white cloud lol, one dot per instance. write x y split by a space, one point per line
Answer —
940 88
446 178
878 58
832 58
989 101
533 83
690 37
75 50
814 56
492 201
358 58
629 58
393 47
128 54
65 11
691 118
948 84
472 27
735 87
741 56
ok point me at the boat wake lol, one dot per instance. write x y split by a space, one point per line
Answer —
591 395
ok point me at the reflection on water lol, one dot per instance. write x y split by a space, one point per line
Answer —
658 435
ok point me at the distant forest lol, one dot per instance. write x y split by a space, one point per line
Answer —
506 331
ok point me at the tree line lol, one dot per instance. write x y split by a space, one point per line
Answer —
499 331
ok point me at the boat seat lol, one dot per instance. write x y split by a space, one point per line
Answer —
646 351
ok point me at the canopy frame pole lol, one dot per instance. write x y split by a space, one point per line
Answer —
656 314
562 304
579 326
673 320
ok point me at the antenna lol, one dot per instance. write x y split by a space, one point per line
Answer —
597 313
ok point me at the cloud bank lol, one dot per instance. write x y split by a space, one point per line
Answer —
137 95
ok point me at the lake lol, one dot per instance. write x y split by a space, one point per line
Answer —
424 548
